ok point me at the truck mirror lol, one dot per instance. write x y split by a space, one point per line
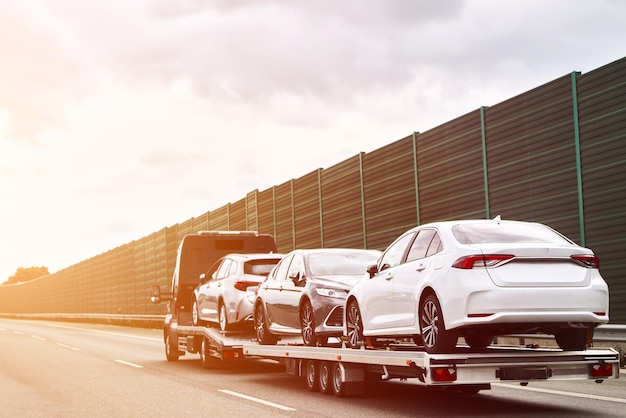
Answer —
155 294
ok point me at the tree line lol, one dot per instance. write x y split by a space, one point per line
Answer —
26 274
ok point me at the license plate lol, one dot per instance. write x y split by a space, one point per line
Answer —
523 373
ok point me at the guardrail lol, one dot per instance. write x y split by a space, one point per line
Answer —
603 333
610 333
139 321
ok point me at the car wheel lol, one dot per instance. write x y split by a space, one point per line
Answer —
307 324
573 339
195 316
354 325
222 318
479 341
263 335
432 327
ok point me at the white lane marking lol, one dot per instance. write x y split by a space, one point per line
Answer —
18 332
68 346
119 334
129 364
563 393
261 401
37 337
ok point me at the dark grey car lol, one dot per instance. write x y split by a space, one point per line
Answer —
305 293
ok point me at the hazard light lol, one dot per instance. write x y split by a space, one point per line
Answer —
230 355
601 370
444 374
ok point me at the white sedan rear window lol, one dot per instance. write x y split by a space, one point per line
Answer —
507 233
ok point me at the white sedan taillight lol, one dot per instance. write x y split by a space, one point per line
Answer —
481 260
587 260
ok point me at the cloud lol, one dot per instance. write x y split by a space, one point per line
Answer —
119 119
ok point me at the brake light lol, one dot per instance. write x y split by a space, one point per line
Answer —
444 374
481 260
243 286
587 260
601 370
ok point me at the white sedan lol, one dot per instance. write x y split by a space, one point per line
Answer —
477 279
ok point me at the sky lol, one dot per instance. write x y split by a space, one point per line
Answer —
120 118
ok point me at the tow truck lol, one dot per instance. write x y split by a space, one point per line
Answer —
334 368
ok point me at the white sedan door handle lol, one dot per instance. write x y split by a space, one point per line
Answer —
421 267
389 277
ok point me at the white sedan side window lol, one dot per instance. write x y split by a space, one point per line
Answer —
394 254
421 245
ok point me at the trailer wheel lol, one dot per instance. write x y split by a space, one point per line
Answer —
325 373
171 348
208 361
339 386
354 325
311 372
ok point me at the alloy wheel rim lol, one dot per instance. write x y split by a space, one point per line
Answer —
259 324
222 318
307 324
354 328
429 320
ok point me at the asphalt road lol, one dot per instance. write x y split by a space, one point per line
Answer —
50 369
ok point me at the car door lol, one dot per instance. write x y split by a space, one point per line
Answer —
203 289
272 290
409 276
376 303
292 292
213 289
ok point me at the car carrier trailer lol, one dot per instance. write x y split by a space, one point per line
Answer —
345 371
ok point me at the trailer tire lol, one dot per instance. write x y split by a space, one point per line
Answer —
171 349
339 386
325 374
311 375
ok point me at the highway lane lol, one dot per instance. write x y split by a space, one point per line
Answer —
86 370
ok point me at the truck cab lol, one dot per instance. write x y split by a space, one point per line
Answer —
196 254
